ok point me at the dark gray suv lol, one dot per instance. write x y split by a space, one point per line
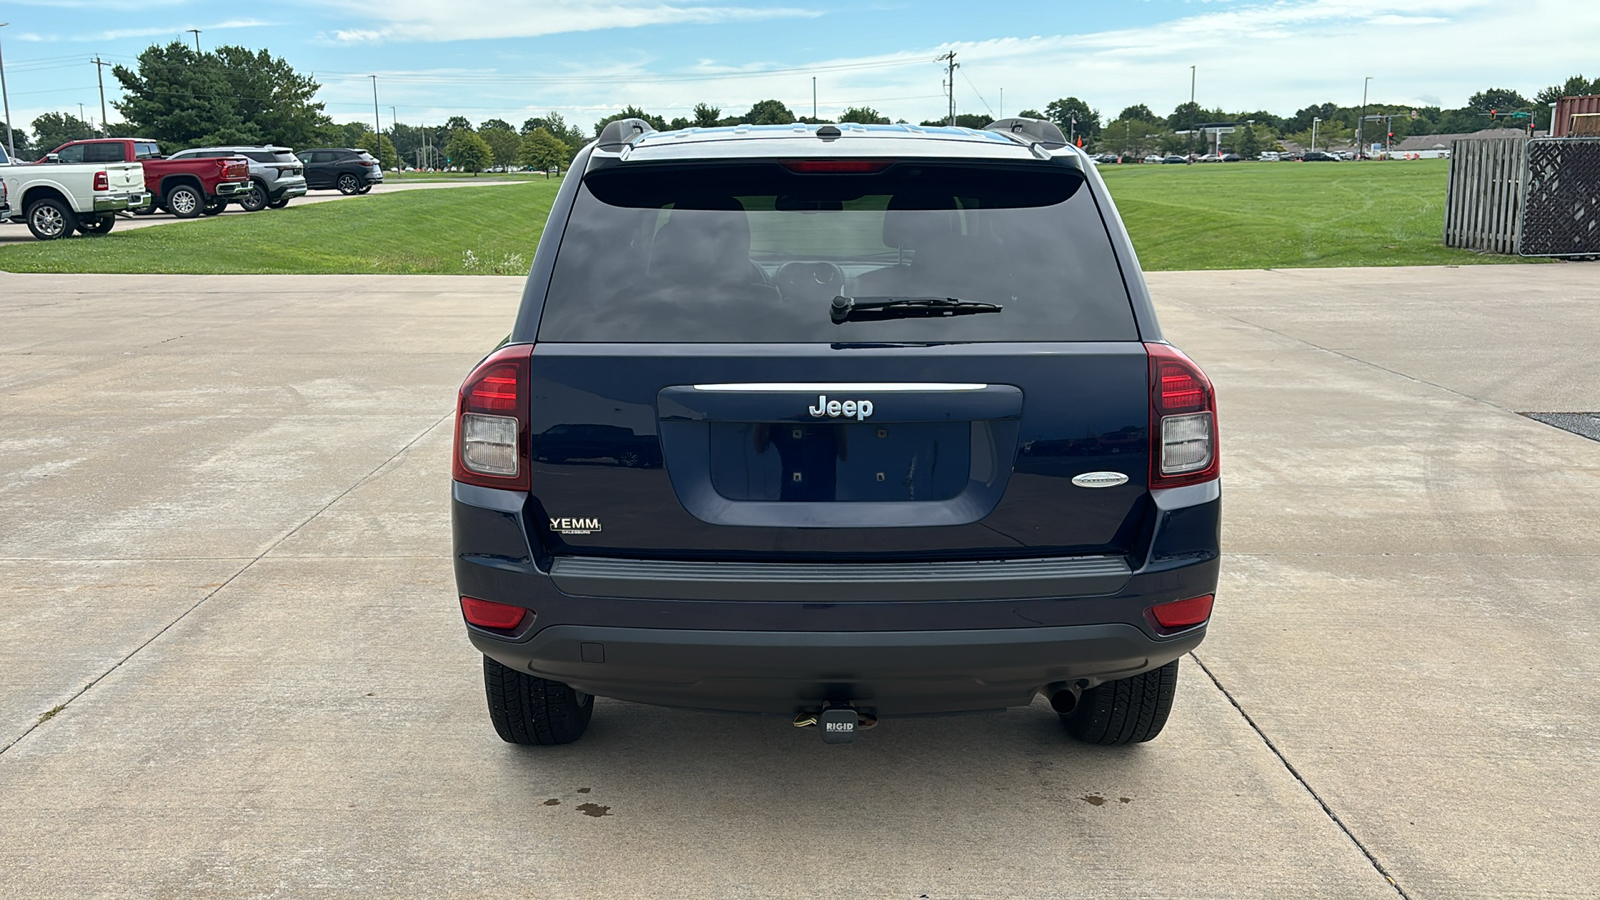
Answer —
343 169
838 423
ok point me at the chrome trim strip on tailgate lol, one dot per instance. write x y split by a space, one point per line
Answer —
1078 576
836 387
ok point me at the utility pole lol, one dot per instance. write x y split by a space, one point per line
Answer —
377 124
99 74
950 81
1189 141
813 96
1002 103
196 33
1314 121
394 125
11 141
1361 147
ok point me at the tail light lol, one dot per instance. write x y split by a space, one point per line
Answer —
1183 420
491 448
102 181
837 166
1180 614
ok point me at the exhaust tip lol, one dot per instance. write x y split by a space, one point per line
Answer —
1064 695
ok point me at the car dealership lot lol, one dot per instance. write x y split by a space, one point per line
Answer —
224 549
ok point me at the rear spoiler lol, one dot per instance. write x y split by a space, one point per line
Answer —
1030 131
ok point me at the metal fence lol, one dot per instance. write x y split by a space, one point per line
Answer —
1561 198
1482 210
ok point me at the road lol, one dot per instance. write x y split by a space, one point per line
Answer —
231 662
12 233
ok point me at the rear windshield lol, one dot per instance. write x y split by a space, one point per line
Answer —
144 150
267 156
757 252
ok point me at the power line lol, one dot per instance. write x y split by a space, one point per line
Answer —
980 96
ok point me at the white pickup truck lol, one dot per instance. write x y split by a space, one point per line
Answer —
56 200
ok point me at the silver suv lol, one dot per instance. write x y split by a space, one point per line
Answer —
276 174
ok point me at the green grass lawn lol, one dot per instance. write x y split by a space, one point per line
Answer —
459 231
1285 215
1210 216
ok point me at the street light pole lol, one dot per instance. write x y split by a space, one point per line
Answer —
1314 121
11 141
1361 151
1189 141
196 33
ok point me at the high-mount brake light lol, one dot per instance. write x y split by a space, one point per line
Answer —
1183 420
837 166
491 448
102 181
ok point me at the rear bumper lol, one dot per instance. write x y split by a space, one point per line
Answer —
287 190
230 189
117 202
779 638
891 672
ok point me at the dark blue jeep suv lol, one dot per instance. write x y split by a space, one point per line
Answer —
836 422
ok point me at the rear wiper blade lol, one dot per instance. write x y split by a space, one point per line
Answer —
877 309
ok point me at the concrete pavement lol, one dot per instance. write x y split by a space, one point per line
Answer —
224 553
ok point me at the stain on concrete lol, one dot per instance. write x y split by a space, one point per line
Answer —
594 809
1094 799
552 802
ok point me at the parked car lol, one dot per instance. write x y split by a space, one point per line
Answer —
276 175
800 464
1232 157
1174 160
1153 158
54 201
184 187
1268 156
341 168
1318 156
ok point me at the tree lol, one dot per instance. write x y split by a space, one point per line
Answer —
502 140
1133 137
1249 143
552 122
18 137
631 112
706 116
1137 113
768 112
457 123
1500 100
863 115
963 120
1030 114
468 150
54 129
384 150
273 100
229 96
543 151
1074 117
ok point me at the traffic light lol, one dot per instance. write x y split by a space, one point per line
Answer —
1491 114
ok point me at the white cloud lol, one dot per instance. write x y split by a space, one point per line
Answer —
175 31
429 20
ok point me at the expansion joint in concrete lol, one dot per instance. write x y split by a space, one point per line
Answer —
1295 773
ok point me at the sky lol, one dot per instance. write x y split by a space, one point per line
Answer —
510 59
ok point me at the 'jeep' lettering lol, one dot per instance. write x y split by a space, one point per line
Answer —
856 409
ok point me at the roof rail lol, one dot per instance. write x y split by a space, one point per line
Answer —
620 133
1032 131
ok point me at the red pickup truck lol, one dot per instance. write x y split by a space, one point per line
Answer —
184 187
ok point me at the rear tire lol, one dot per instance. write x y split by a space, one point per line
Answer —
365 189
215 207
278 204
1125 711
50 219
530 710
255 200
184 201
96 225
348 184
